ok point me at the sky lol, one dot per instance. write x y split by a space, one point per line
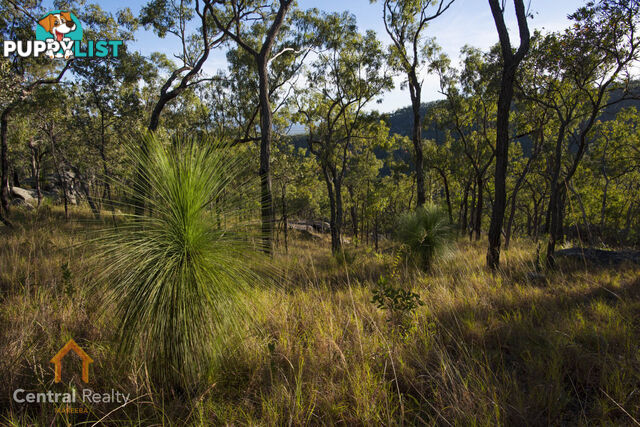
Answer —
467 22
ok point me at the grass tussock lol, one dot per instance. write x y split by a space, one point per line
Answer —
509 348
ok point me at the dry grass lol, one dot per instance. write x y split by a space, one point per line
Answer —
484 349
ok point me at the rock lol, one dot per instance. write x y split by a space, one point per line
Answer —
312 226
20 203
27 196
600 256
301 226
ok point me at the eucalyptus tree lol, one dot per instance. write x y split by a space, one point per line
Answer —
613 158
346 76
510 63
469 114
531 121
294 175
25 75
440 158
177 18
405 21
17 21
576 74
255 26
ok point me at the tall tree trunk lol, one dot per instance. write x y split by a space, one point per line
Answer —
446 193
551 224
35 168
285 222
416 136
332 219
354 213
4 160
266 200
464 208
510 66
555 227
61 178
479 206
335 203
472 221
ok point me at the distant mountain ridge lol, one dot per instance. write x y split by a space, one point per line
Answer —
401 121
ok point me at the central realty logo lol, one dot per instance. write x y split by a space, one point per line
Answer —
57 360
84 395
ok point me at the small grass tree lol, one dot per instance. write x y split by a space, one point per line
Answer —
425 233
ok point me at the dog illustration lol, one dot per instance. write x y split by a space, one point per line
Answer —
58 24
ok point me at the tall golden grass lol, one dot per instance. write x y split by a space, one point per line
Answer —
509 348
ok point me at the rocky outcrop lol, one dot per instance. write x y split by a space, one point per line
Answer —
20 203
600 256
314 226
26 196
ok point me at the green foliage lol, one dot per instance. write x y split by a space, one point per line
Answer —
175 278
67 285
426 232
399 303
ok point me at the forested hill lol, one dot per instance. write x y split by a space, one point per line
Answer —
400 121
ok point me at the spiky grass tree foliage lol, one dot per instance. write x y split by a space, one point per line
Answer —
425 232
175 278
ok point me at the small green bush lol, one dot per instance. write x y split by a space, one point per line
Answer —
426 233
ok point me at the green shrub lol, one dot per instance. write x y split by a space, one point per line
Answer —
425 232
174 277
399 303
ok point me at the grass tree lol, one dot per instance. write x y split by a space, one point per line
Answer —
425 232
174 275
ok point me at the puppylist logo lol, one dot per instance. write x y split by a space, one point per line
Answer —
59 35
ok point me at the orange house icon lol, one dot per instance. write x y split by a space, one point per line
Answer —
57 360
